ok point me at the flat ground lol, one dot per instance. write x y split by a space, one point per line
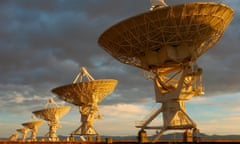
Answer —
114 142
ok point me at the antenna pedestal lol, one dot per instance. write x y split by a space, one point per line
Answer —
175 116
53 126
88 115
34 134
172 87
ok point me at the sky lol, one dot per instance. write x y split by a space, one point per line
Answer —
44 43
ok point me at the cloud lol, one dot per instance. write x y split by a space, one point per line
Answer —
216 115
123 111
120 117
221 126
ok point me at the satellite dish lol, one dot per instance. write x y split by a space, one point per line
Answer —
168 36
33 126
167 41
24 132
13 137
52 115
86 95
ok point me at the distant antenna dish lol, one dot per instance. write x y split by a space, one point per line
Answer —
24 132
13 137
167 42
86 95
52 114
33 126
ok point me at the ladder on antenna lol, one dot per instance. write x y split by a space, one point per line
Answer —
154 113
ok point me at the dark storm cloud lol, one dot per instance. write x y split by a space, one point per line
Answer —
44 43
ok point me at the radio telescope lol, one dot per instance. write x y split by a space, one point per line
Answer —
13 137
86 95
24 132
33 126
52 113
166 42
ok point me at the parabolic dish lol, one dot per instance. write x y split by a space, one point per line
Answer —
22 130
52 114
167 36
84 93
33 124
